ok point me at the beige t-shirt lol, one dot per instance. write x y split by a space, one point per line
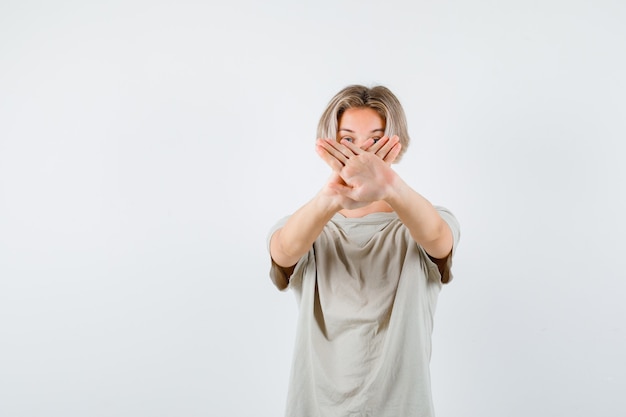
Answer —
367 294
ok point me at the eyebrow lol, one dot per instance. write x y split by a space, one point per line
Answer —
352 131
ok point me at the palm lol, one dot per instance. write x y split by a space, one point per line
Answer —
335 190
367 176
360 176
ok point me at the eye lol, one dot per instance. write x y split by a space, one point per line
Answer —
376 140
348 138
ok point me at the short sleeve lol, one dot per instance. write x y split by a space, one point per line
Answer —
277 273
453 223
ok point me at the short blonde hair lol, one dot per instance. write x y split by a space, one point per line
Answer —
378 98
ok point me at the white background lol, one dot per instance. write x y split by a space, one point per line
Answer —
147 147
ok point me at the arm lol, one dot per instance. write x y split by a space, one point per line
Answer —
368 178
419 216
295 238
289 243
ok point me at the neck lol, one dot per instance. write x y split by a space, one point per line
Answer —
375 207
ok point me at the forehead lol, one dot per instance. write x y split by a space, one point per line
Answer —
361 119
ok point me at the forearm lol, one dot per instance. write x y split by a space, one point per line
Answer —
296 237
419 216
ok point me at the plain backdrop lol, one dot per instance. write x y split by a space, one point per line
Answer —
146 148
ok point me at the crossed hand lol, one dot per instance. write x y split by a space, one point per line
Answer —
361 175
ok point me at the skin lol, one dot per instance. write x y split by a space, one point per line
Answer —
362 182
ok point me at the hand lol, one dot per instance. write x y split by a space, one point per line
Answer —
366 174
334 191
386 148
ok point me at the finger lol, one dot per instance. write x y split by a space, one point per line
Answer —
368 144
340 188
335 178
375 147
393 153
387 146
330 160
334 149
352 147
334 159
339 150
347 191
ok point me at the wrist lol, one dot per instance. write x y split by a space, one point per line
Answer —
394 189
326 205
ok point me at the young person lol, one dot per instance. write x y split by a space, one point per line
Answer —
366 258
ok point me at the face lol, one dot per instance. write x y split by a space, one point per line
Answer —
360 124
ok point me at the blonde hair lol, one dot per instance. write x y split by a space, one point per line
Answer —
378 98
